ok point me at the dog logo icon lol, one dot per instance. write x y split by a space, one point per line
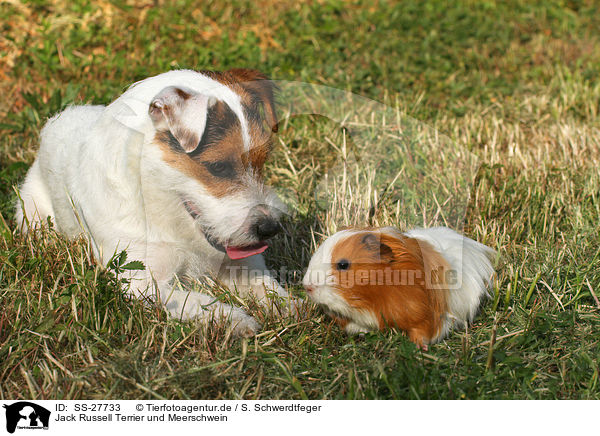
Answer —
26 415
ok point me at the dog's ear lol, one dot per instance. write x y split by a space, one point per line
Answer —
183 113
261 90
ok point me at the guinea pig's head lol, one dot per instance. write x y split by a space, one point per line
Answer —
373 278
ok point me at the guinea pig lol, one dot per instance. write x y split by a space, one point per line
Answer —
424 282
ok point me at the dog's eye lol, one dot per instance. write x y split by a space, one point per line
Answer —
342 265
223 169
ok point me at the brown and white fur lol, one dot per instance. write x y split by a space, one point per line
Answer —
171 172
423 282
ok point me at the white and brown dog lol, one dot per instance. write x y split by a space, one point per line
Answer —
171 172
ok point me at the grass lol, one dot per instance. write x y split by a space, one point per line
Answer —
516 84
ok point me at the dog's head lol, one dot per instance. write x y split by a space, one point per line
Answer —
213 151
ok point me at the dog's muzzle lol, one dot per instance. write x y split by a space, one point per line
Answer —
263 228
266 227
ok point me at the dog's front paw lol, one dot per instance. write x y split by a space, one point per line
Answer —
244 326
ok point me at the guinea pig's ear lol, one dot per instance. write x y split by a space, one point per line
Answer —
377 247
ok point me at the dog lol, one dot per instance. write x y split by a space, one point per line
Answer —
170 171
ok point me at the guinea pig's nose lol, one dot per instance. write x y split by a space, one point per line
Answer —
267 227
309 288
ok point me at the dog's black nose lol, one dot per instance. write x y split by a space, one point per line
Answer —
267 227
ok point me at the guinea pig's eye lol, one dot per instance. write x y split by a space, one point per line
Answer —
342 265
